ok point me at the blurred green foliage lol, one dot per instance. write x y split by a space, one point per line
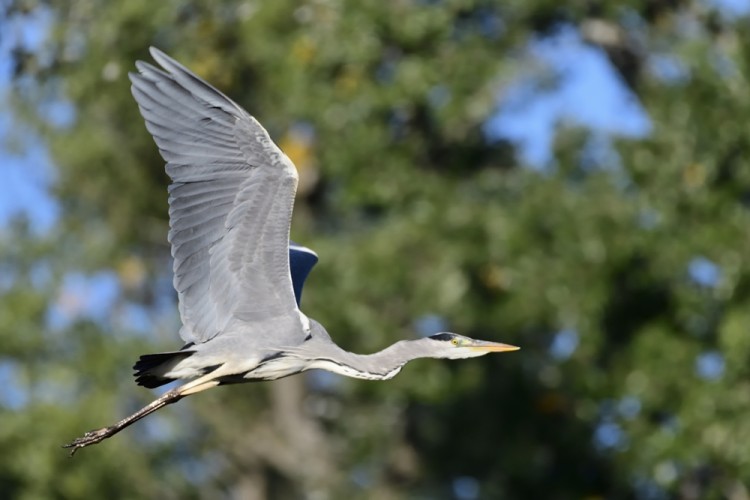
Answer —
414 213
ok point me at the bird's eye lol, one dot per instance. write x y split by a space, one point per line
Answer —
454 342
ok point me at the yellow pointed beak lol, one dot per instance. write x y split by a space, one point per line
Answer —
484 346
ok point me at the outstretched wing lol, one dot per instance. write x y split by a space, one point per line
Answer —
230 202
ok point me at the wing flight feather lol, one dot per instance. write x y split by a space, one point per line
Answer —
230 201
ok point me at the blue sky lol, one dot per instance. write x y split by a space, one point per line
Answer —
27 169
588 93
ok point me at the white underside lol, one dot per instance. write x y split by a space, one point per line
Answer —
323 364
286 366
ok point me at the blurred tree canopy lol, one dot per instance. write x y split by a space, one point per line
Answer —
626 281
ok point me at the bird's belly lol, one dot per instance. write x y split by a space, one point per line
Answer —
277 368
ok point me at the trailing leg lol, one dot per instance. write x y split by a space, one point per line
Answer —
99 435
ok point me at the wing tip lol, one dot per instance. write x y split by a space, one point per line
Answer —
154 49
157 53
172 66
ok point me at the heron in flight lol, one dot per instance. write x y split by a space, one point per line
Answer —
238 276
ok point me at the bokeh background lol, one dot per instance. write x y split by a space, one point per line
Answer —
573 179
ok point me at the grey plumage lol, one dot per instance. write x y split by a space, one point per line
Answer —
230 209
232 189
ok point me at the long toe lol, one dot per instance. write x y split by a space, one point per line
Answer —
91 437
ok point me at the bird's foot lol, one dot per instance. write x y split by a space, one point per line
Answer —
91 437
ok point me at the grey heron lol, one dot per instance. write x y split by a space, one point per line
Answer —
237 275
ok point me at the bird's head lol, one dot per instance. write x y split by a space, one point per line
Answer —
454 346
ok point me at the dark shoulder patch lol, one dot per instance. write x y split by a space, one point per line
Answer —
442 336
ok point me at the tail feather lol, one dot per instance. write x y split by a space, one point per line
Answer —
151 368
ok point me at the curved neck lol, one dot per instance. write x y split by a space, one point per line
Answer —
381 365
